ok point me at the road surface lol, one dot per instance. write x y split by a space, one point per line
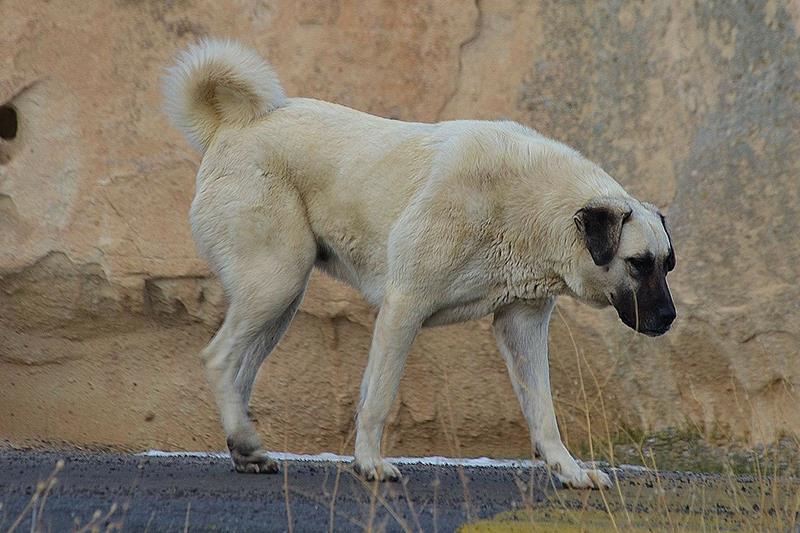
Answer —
118 492
167 493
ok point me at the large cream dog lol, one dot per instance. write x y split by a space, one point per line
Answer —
433 223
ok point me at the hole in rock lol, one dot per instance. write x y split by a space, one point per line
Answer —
8 122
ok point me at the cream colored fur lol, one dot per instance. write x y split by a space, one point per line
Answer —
433 223
219 82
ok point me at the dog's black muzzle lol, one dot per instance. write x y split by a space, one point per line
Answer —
651 311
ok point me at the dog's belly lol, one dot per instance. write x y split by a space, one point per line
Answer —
362 272
455 315
464 312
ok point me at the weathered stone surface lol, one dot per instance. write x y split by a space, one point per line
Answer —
104 304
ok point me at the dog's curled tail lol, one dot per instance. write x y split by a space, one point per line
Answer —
216 83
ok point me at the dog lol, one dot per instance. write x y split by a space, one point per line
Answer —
433 223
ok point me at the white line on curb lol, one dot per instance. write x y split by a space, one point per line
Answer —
335 458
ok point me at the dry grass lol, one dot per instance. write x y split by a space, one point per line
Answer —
36 509
654 502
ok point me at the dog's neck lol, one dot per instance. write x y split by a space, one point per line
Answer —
538 226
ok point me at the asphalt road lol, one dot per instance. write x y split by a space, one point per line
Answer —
136 493
117 492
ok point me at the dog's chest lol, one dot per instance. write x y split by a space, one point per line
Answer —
531 286
521 277
494 297
518 270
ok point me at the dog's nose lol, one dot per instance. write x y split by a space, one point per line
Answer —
667 314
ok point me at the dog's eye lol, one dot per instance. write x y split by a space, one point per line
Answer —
641 265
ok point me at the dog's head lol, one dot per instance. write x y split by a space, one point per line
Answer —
628 253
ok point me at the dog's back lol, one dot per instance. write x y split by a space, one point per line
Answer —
353 173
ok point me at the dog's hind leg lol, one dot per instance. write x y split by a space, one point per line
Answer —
264 272
257 317
259 350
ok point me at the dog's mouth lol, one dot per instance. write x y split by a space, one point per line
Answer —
649 331
654 332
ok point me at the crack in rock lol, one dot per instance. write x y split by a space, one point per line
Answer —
476 32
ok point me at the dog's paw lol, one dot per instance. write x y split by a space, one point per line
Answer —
258 463
568 471
572 476
249 458
380 470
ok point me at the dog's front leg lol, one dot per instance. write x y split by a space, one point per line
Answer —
521 331
395 329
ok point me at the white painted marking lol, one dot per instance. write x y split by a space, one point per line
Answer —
480 462
335 458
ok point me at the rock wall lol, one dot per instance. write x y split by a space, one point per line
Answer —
104 304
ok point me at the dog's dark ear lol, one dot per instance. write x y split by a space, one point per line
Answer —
600 223
670 263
